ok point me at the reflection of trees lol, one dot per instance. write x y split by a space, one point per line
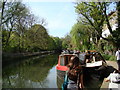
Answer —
29 72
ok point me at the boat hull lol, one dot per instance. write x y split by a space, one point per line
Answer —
60 78
92 77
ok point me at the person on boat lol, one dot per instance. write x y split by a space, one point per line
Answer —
114 79
75 75
89 58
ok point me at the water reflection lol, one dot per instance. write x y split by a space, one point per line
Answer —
36 72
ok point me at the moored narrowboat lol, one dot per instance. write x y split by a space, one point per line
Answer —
62 62
95 68
89 59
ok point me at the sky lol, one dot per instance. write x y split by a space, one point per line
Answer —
60 16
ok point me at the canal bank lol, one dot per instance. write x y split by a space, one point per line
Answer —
113 64
11 56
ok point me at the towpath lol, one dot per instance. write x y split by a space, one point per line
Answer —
110 63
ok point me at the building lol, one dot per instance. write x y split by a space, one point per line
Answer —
113 22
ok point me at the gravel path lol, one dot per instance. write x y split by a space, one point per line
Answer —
110 63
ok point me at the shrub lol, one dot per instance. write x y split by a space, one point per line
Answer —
112 58
106 57
109 57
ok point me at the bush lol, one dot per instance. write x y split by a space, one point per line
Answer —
106 57
109 57
112 58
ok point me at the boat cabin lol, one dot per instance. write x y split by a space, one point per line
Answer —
63 60
88 59
91 59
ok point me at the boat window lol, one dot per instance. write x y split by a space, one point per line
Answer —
62 62
66 60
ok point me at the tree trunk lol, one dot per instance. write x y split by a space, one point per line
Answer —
3 6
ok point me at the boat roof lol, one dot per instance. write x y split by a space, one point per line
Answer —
91 50
67 54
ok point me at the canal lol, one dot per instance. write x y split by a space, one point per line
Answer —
35 72
38 72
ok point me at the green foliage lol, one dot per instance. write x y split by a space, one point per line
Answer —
106 57
93 14
92 17
80 36
112 58
38 39
109 57
57 43
20 33
66 42
89 26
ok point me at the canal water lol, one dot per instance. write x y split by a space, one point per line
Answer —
35 72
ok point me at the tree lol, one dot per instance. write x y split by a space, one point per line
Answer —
57 44
80 36
23 31
95 14
38 38
117 31
66 42
18 24
13 12
2 6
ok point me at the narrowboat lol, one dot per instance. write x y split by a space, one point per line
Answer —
92 62
89 59
62 62
94 67
61 67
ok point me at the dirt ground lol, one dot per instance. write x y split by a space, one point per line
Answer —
110 63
